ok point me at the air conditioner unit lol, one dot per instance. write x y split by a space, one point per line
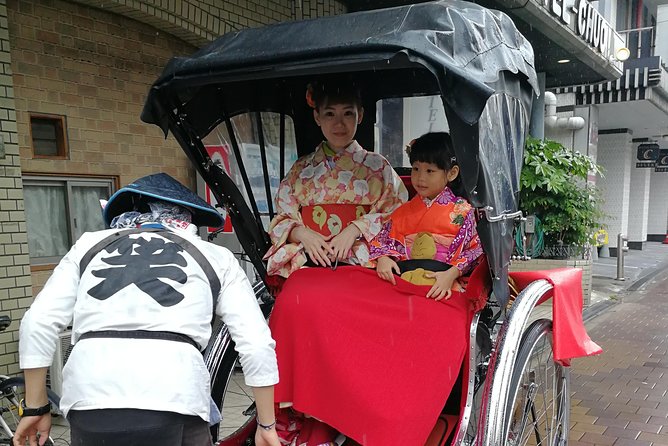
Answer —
54 377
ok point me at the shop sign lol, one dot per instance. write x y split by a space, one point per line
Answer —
647 155
585 20
662 162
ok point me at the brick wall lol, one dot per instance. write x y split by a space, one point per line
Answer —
93 62
543 264
15 280
199 21
615 156
95 69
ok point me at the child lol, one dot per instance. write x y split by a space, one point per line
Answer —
434 225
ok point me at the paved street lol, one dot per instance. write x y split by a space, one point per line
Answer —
621 397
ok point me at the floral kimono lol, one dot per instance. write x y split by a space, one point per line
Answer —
441 229
325 193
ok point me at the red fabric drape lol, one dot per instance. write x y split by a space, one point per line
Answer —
570 338
375 361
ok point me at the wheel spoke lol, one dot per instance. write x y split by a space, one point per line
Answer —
540 393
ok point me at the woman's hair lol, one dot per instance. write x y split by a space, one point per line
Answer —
435 148
320 93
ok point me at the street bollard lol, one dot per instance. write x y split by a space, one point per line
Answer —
622 247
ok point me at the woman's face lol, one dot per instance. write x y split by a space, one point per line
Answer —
429 180
338 123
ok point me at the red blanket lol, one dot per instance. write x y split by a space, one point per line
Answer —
375 361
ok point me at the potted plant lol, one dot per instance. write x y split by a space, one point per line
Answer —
554 187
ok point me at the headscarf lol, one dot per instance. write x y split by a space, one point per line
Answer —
161 212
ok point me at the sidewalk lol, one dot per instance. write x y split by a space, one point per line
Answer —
639 268
619 398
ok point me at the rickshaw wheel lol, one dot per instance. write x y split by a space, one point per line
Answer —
538 408
229 393
482 353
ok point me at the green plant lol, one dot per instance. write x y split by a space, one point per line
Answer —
553 185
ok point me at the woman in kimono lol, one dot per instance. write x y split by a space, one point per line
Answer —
435 230
332 201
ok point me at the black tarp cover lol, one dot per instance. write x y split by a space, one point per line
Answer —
461 51
470 43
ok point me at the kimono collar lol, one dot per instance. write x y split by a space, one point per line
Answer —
446 196
320 156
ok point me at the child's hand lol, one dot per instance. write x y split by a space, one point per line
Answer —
385 267
444 281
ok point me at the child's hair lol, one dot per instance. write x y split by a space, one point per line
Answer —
435 148
332 92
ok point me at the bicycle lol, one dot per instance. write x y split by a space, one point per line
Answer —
12 390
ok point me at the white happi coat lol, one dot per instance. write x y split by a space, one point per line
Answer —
144 288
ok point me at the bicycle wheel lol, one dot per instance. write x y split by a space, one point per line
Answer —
12 390
228 390
483 351
538 408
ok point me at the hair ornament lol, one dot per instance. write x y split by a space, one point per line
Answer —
309 96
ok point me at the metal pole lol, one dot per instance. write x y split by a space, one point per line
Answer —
621 249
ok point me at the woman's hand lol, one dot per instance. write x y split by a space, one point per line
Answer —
265 437
343 242
315 245
385 268
30 427
444 281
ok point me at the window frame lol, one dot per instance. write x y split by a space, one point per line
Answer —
68 182
61 136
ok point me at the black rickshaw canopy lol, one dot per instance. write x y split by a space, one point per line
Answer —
460 51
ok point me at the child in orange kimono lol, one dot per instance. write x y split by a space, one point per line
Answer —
435 225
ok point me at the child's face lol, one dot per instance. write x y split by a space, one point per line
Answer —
338 123
429 180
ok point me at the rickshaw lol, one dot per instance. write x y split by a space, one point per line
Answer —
237 109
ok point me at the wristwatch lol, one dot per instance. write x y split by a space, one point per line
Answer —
32 411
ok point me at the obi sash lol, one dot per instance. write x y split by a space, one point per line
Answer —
330 219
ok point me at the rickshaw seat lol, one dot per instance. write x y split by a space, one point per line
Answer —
405 175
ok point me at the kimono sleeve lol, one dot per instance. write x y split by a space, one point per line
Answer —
466 247
384 245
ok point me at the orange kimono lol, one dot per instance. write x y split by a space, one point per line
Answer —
442 229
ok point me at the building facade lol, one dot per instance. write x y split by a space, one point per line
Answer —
74 78
627 125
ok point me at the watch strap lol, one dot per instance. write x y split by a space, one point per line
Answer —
33 411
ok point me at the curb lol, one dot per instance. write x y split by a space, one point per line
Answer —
599 307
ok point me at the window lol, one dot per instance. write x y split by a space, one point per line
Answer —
248 135
59 210
48 136
400 120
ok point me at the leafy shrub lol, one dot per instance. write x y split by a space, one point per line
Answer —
553 186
